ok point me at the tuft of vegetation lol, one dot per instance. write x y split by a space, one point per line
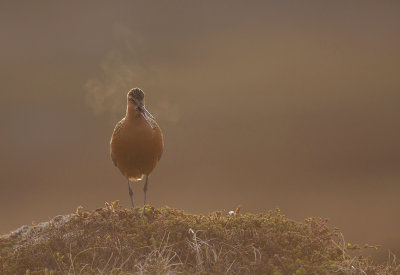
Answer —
113 240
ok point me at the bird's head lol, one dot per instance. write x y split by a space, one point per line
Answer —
135 99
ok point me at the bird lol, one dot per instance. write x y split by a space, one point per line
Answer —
137 143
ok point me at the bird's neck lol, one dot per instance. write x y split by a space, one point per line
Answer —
132 112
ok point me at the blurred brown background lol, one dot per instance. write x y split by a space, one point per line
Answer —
293 105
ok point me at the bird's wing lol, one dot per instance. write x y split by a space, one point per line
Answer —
117 129
113 159
159 156
160 140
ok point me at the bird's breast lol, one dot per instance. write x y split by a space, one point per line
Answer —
136 146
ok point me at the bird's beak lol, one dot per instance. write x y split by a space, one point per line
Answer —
145 113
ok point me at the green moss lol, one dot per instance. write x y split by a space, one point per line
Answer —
113 240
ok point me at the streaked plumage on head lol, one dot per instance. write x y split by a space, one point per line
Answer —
137 94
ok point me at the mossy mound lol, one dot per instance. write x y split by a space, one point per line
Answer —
113 240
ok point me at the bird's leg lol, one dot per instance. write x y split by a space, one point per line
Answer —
145 192
131 195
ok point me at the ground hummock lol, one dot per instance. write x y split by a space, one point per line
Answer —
113 240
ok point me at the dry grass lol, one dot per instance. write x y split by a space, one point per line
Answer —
113 240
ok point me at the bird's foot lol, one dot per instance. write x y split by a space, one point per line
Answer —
144 210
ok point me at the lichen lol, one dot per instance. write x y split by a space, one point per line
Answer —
113 240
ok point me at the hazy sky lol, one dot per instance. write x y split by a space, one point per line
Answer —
289 104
